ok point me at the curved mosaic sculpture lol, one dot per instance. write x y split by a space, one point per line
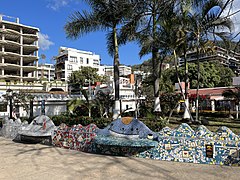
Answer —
127 127
130 137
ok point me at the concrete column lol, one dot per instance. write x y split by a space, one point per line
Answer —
3 68
3 48
49 75
21 57
36 72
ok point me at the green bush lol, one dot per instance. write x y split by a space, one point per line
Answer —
154 123
72 119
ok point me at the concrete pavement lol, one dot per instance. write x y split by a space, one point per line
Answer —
35 161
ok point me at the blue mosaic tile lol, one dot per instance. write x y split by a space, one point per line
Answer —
182 144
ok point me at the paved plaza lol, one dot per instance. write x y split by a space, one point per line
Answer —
36 161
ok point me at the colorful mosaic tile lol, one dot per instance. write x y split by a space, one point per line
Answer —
76 137
182 144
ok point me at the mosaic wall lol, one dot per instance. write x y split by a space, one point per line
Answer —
182 144
76 137
11 128
201 146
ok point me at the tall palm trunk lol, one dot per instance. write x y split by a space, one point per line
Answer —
198 78
156 68
186 114
116 110
156 71
179 84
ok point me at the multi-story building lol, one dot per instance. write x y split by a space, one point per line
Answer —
19 72
18 51
123 70
69 60
228 58
46 71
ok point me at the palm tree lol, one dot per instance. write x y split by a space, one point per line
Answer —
206 20
88 104
192 22
107 16
43 57
144 27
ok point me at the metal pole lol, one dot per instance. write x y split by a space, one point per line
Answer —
11 107
31 109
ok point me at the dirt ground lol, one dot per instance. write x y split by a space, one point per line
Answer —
35 161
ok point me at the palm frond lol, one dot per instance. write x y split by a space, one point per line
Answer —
82 23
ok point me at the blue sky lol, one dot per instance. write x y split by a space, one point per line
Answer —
50 17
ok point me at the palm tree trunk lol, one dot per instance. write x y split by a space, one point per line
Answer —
186 114
156 68
179 84
89 112
116 110
156 65
198 78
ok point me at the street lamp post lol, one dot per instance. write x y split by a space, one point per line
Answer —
10 96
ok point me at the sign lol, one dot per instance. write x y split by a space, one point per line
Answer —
167 146
185 154
209 150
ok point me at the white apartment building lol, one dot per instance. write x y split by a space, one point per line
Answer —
18 50
69 60
46 72
123 70
226 57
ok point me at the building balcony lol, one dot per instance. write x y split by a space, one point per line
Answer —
11 67
10 31
29 49
29 38
29 68
10 77
10 54
9 43
29 57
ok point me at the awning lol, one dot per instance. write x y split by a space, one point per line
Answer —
216 97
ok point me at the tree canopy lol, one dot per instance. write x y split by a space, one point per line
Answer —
83 77
213 74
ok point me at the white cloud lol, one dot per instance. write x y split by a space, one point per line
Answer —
56 4
44 41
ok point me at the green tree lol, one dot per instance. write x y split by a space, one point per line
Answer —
105 101
144 26
206 19
212 75
106 16
86 76
43 57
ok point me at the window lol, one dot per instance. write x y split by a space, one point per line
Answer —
73 59
3 107
81 60
69 67
87 61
